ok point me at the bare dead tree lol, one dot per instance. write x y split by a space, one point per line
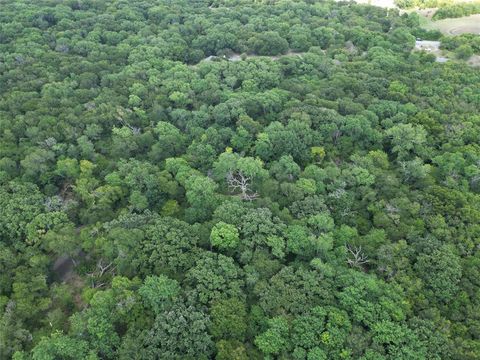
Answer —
475 180
121 113
393 213
103 268
356 257
386 272
238 181
100 270
405 170
94 284
335 136
338 193
346 212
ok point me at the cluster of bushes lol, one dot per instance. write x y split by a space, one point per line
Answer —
464 46
457 10
423 4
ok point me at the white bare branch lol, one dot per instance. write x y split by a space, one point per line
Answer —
356 256
103 268
238 181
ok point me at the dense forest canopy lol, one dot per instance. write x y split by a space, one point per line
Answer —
317 198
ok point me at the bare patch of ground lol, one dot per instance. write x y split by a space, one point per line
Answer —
432 47
63 267
238 57
77 284
474 61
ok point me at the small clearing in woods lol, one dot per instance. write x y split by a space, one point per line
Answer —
64 270
432 47
238 57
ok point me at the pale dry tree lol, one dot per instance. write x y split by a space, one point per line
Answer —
356 257
100 270
237 180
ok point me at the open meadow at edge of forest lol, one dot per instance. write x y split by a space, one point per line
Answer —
457 26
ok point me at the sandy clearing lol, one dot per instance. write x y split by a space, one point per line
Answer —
432 47
474 61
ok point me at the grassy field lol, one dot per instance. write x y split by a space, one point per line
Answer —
467 24
457 26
